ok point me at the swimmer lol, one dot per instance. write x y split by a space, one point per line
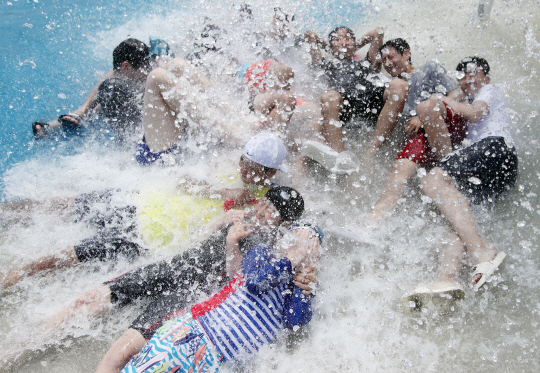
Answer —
118 93
217 344
121 228
481 170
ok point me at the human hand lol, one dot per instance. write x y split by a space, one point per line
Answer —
237 231
306 244
241 196
413 125
305 279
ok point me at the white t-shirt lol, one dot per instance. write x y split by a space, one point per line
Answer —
496 122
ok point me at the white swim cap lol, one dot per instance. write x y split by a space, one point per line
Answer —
267 150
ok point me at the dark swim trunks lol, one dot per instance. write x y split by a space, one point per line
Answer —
146 157
361 88
483 170
116 224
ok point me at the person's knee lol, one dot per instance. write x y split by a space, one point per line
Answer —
331 99
428 109
397 89
434 180
283 74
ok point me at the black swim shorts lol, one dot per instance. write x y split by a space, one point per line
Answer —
484 170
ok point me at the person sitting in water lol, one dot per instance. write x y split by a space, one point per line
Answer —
235 322
160 219
119 93
356 88
170 285
419 82
181 105
280 207
484 168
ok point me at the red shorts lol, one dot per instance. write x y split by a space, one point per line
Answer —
417 148
256 75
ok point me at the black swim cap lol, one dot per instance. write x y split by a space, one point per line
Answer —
478 61
287 201
133 51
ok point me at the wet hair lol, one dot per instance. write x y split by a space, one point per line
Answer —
287 201
478 61
333 34
133 51
399 44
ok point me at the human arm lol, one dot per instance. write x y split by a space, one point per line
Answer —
233 261
316 43
470 112
241 196
375 40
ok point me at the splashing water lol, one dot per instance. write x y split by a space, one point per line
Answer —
54 55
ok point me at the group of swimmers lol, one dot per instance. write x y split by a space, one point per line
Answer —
457 131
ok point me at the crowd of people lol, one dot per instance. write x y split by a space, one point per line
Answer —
259 259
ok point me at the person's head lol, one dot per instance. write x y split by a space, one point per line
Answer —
342 42
474 74
396 57
280 204
131 59
262 156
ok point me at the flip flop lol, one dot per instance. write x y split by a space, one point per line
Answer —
69 124
443 297
486 269
40 132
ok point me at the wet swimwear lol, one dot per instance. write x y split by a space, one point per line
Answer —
417 149
256 75
360 86
146 157
483 170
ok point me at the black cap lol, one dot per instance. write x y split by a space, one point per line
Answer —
287 201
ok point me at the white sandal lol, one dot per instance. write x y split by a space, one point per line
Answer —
486 269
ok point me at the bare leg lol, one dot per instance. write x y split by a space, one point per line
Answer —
395 96
331 105
400 175
451 256
91 303
55 205
305 124
453 205
64 259
432 114
125 347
